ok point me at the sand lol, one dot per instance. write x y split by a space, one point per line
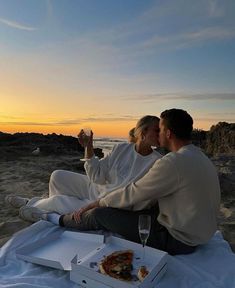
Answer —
28 176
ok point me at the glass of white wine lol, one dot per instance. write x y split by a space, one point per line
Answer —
85 138
144 226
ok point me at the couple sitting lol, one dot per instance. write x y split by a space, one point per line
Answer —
180 191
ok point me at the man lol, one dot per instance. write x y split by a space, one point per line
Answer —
183 187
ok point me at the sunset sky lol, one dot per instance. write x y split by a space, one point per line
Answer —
65 64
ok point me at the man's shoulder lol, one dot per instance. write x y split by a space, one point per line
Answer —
186 154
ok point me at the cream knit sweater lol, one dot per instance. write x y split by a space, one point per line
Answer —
186 186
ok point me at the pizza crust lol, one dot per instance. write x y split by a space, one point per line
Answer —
142 273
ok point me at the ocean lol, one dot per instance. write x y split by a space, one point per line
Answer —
106 144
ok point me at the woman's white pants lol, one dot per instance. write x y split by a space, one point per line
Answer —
68 192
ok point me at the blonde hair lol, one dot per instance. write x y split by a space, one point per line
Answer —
143 124
131 135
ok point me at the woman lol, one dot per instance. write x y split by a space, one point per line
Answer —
69 191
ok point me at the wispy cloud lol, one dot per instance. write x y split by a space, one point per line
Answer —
165 28
17 25
19 123
215 119
215 9
70 122
108 118
187 39
184 96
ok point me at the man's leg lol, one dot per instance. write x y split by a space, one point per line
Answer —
88 221
118 221
125 223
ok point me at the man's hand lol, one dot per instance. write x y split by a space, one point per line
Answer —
77 214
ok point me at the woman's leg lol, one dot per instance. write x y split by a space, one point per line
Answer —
68 183
68 192
60 204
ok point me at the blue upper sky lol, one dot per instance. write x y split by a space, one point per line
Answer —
136 56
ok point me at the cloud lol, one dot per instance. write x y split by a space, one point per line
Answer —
109 118
215 9
17 25
19 123
163 27
188 39
71 122
184 96
216 119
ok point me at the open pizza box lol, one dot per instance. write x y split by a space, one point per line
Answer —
58 249
86 272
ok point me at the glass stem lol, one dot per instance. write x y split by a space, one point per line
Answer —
85 152
143 253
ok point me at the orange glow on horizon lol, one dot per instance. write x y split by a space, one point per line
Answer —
101 129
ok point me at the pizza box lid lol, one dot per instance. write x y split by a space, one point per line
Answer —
59 248
85 271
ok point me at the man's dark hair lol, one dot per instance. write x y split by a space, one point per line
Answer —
179 122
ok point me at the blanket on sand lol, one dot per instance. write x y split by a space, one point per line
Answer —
211 266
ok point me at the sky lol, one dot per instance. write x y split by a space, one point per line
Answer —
103 64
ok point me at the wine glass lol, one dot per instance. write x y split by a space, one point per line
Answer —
144 226
85 138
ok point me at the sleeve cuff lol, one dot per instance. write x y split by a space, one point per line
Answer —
102 203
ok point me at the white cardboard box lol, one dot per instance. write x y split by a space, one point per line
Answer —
58 249
85 271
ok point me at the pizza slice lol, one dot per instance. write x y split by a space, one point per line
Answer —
118 265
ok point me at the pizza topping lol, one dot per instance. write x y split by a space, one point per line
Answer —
142 273
118 265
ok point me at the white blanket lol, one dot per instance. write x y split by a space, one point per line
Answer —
211 266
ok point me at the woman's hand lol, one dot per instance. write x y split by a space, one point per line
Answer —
84 139
77 214
87 142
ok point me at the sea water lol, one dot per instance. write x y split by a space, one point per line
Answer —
107 144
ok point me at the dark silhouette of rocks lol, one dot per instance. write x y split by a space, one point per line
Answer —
21 144
220 139
219 144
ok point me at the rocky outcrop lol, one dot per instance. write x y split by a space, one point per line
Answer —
20 144
219 144
221 139
225 165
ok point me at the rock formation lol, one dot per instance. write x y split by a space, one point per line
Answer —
219 144
24 143
221 139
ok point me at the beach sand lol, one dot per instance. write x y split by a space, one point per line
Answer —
28 176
